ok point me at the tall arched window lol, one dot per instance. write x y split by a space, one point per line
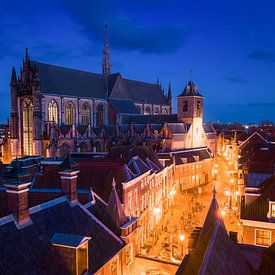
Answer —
99 116
27 127
164 111
86 114
156 112
70 114
147 111
53 111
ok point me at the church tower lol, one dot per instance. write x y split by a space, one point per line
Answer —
190 110
190 104
106 64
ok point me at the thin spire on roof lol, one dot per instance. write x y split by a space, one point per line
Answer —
114 208
13 76
190 74
106 64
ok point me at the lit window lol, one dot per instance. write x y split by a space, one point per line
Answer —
273 210
147 111
53 111
27 127
86 114
198 108
164 111
263 237
70 114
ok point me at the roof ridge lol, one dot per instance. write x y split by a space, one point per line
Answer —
66 68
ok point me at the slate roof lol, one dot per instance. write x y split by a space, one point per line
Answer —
191 90
67 239
179 128
259 208
70 82
190 155
124 106
114 210
142 92
208 128
143 119
76 83
29 251
126 153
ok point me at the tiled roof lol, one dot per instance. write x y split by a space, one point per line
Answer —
29 250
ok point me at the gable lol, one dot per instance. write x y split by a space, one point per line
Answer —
119 90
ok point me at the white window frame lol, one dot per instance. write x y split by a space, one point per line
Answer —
255 237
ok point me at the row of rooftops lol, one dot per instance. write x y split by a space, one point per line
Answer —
146 128
62 221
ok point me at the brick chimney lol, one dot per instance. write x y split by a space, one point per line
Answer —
69 183
17 184
69 176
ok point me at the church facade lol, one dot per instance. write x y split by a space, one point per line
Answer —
56 109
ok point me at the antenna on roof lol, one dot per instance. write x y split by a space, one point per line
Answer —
190 74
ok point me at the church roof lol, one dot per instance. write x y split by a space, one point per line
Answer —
70 82
122 106
190 90
147 93
77 83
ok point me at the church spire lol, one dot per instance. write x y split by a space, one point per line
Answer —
13 76
114 208
106 65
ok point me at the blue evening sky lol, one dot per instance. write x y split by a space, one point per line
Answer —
229 44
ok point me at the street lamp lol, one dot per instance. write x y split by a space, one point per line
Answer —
182 238
223 213
227 193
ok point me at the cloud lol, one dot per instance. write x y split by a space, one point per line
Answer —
126 30
235 78
262 55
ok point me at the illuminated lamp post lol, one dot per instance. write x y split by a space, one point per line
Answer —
181 238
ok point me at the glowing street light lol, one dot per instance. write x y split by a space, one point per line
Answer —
227 193
182 238
157 210
223 213
232 181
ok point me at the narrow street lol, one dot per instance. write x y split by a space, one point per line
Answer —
190 209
